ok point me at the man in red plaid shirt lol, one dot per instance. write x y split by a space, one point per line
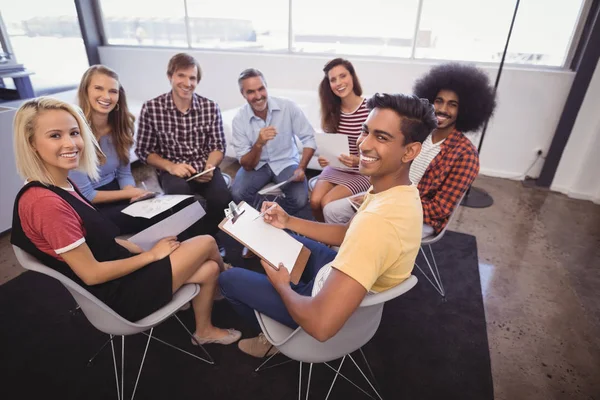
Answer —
181 134
448 162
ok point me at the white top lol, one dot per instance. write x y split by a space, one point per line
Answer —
428 152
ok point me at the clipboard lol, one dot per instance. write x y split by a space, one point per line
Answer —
243 215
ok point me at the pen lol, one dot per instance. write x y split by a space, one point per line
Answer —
264 212
144 185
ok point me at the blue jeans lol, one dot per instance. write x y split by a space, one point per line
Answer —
248 290
247 184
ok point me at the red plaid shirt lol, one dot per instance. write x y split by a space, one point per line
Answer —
180 138
447 177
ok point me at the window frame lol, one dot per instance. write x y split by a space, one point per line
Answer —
566 64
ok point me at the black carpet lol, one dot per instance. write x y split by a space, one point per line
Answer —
424 349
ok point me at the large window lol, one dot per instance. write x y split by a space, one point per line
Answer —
468 30
476 30
46 40
239 24
354 27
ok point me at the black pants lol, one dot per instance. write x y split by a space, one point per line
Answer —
215 194
126 223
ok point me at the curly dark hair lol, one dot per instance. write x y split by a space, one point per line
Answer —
418 118
476 96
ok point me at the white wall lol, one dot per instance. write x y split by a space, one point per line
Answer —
578 173
530 101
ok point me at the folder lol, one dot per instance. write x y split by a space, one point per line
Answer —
330 146
271 244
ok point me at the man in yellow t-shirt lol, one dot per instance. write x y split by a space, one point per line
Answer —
377 248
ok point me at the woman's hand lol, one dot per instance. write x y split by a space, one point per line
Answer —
164 247
322 161
134 193
349 161
275 216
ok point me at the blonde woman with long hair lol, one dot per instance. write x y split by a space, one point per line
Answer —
55 223
104 103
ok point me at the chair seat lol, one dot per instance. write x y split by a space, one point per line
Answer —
266 191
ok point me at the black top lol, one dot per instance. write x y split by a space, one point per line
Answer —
133 295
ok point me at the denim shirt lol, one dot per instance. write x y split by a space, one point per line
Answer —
280 152
109 171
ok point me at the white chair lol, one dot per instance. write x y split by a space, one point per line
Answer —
106 320
436 282
356 332
312 182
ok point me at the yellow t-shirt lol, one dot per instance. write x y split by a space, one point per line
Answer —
383 239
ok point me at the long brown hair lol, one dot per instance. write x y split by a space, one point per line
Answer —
331 104
120 119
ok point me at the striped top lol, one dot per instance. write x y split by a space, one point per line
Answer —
351 125
419 165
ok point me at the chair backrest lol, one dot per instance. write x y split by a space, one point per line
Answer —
99 314
356 332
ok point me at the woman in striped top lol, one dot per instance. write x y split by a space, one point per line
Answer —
343 111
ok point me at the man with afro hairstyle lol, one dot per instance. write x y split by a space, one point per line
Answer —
449 163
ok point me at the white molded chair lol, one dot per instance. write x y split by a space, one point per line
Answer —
436 282
312 182
356 332
106 320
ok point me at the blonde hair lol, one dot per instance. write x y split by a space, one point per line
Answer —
120 119
29 164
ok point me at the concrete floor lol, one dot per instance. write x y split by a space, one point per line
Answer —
540 269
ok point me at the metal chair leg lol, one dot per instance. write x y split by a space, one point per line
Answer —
210 359
364 376
300 383
348 380
309 376
436 274
112 345
335 377
370 370
91 360
142 363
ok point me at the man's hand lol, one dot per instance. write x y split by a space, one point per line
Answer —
349 161
323 162
207 176
275 216
279 279
299 175
265 134
181 170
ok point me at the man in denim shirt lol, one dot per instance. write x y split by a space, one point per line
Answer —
264 133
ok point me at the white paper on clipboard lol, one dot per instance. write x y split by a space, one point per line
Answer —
330 146
273 244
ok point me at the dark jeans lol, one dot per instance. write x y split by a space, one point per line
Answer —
248 290
215 193
126 223
247 184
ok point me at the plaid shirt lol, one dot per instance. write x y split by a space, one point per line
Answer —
180 138
447 177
